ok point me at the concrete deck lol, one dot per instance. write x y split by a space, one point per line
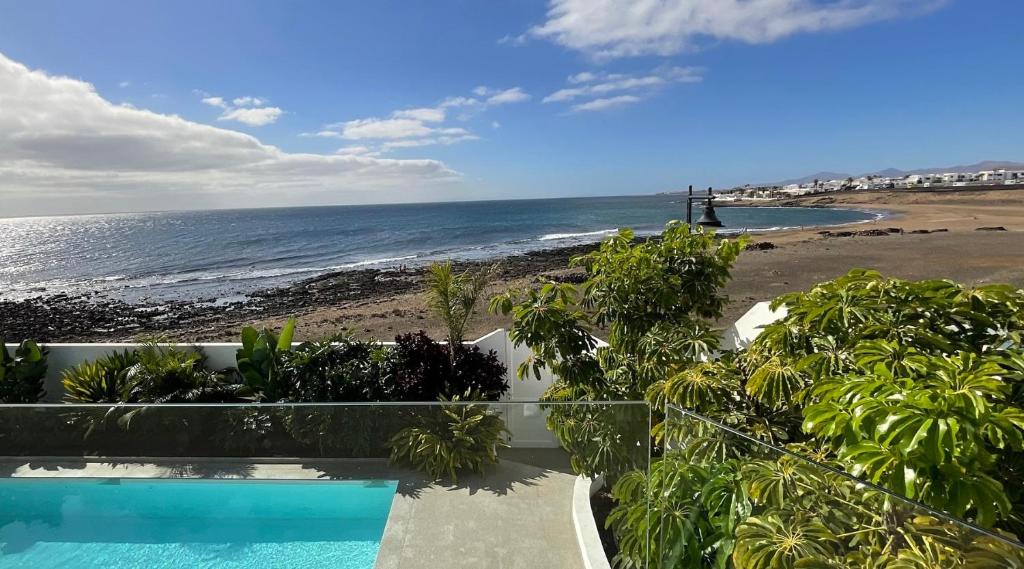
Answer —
517 515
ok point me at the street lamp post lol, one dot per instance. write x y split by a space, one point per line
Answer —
708 218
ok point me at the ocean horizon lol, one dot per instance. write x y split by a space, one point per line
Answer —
229 253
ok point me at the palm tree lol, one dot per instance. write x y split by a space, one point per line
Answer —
453 296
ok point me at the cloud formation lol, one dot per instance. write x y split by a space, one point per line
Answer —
420 126
606 103
246 110
622 28
595 91
62 143
252 117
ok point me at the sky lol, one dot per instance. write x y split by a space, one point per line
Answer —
145 105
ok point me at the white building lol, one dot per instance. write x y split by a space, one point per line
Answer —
957 178
992 176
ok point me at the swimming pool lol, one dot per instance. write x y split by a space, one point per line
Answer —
60 522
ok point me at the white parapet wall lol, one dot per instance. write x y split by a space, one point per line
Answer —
524 421
527 429
749 326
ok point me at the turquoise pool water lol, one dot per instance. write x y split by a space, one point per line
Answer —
129 523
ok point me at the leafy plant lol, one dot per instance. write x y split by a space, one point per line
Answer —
102 381
167 374
22 374
338 369
259 361
654 297
451 438
420 369
916 386
912 385
453 296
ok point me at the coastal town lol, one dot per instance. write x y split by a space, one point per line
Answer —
982 179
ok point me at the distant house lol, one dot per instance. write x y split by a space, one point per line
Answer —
992 176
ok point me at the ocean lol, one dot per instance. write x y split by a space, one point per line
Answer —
226 254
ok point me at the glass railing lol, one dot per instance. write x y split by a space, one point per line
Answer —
477 484
728 500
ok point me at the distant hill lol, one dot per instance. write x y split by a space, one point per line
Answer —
895 173
812 177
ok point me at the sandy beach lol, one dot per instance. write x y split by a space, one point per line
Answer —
380 304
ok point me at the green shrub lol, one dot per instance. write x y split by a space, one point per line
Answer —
102 381
452 297
654 298
917 386
420 369
22 374
914 386
338 370
259 361
167 374
450 438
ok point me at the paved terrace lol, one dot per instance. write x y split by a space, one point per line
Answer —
517 515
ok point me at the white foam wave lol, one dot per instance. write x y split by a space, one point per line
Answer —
555 236
376 262
258 273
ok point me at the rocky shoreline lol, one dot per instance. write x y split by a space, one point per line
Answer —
66 318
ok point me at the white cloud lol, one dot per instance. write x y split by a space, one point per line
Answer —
252 117
599 86
582 77
124 84
445 140
426 114
249 101
65 148
455 102
246 110
373 128
215 102
620 28
516 40
499 96
606 103
420 126
513 95
357 150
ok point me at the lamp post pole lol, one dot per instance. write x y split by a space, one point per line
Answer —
689 206
708 219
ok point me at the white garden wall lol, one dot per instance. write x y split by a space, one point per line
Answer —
524 422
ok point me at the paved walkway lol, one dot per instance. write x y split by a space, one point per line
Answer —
517 515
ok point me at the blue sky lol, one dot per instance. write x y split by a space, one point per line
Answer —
344 101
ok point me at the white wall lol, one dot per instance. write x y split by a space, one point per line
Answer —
750 325
525 422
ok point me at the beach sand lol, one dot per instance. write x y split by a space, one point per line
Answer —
801 259
381 304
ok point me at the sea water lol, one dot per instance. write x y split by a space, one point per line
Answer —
226 253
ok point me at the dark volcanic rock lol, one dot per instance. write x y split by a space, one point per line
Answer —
63 318
760 246
999 228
